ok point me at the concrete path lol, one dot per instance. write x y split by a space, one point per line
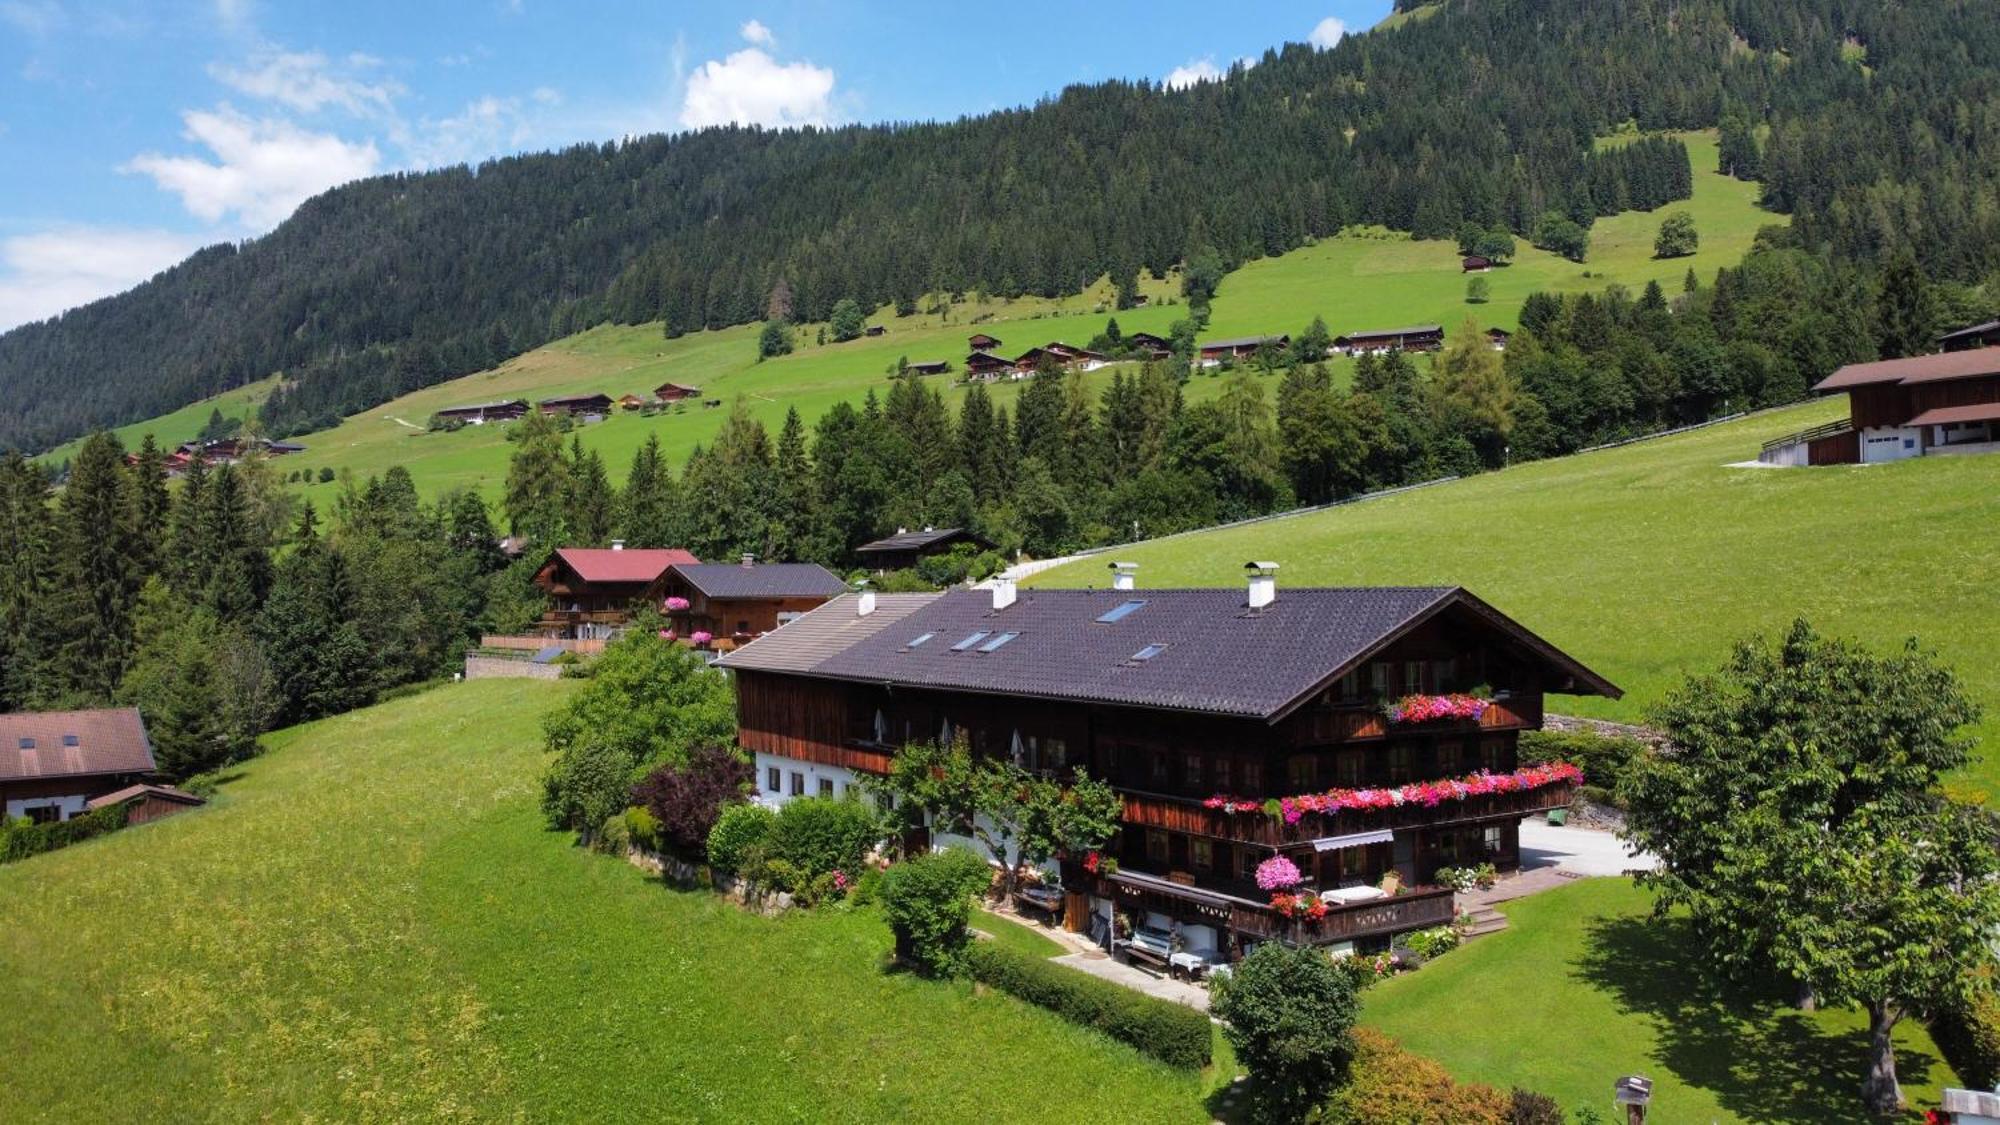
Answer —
1578 851
1166 988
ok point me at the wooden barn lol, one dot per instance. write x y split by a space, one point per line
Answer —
674 392
630 402
987 365
1985 335
145 803
981 342
479 413
1199 706
1150 346
1416 338
902 550
1923 406
928 366
735 603
54 763
1238 348
576 406
1473 263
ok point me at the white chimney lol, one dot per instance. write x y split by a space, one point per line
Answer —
617 544
1263 583
749 560
865 604
1003 593
1123 575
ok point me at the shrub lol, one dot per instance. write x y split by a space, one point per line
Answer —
1173 1033
736 831
867 887
1604 760
1387 1085
927 901
1968 1035
687 799
1431 943
1525 1107
1289 1014
642 828
1361 972
20 839
822 834
612 838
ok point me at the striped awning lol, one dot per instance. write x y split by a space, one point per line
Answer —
1356 840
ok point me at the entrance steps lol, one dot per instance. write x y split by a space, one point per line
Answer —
1482 920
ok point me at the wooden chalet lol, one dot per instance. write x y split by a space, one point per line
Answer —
674 392
1474 263
1416 338
593 590
987 365
981 342
1922 406
1198 706
1496 338
225 451
1150 346
53 764
576 405
928 367
875 330
1985 335
144 803
630 402
479 413
902 550
736 603
1061 355
1238 348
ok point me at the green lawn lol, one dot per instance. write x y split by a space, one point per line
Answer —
372 923
1649 560
1584 987
1362 279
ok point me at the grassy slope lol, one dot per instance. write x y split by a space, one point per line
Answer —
1649 560
1367 279
372 923
1583 987
182 425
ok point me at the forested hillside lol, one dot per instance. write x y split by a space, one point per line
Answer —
1883 127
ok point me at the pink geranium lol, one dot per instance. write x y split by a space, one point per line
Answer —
700 637
1277 874
676 605
1429 794
1434 708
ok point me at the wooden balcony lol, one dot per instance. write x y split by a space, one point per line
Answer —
1367 723
1183 814
1414 909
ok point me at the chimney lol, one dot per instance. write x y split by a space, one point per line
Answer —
1003 593
749 560
617 544
865 604
1123 575
1263 583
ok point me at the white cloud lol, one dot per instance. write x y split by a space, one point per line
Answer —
1328 32
264 167
1195 70
751 88
308 82
755 32
44 273
234 15
36 18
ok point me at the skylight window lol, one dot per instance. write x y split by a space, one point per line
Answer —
996 642
71 740
970 641
1119 612
920 640
1147 653
27 744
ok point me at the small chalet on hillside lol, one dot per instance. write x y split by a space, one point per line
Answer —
1149 346
735 603
480 413
1348 707
576 405
592 590
1416 338
928 366
1474 263
1900 408
902 550
981 342
1062 355
1496 338
53 764
989 366
1239 348
1985 335
674 392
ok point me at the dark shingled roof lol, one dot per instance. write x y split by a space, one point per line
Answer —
764 580
1245 342
1942 367
1219 657
918 540
34 744
799 645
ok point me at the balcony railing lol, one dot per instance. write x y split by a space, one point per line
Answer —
1413 909
1365 722
1183 814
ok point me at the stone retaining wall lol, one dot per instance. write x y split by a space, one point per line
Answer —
692 876
499 667
1573 724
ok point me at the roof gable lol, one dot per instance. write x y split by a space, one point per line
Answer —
38 744
1942 367
762 580
622 564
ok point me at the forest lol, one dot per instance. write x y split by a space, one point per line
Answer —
1875 126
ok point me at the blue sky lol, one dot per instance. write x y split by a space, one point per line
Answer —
132 133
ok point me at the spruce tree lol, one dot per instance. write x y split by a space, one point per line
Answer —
537 484
592 505
647 504
96 578
239 563
795 524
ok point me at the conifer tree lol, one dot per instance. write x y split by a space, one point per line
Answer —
591 504
95 576
795 525
647 504
537 483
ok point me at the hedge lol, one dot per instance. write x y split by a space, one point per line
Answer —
1173 1033
20 839
1387 1085
1968 1035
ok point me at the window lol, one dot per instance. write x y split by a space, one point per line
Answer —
1193 770
826 787
1493 754
1201 854
1444 674
1413 676
1119 612
1222 771
41 814
919 641
1402 763
1348 768
71 740
27 744
994 644
1055 754
1495 840
1253 777
1299 772
798 784
1159 767
1147 653
742 626
1156 846
1449 754
1378 679
970 641
1246 863
774 781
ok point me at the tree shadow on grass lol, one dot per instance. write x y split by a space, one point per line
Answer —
1763 1060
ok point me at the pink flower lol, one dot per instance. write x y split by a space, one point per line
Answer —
676 605
1429 794
1278 873
701 637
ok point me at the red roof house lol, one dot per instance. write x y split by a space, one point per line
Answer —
592 589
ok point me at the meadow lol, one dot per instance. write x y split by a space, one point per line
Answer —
372 923
1649 560
1361 279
